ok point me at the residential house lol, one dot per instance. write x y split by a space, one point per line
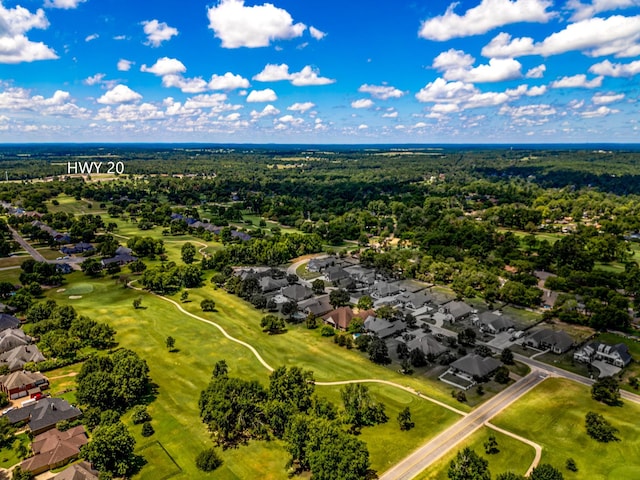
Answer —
334 274
427 343
319 264
270 284
317 306
78 471
77 248
297 293
414 301
8 321
384 289
383 328
457 310
12 338
556 341
44 414
17 357
617 354
362 276
23 383
491 323
54 448
64 268
341 317
474 366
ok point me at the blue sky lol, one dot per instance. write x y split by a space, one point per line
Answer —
320 71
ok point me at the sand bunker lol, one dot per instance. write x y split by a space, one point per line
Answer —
60 290
74 297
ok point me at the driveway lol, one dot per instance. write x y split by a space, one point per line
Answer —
606 370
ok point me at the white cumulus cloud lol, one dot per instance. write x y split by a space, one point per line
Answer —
488 15
267 111
228 81
598 112
187 85
237 25
362 103
65 4
15 47
119 94
382 92
616 35
94 79
607 98
457 65
158 32
609 69
588 10
92 37
536 72
577 81
124 65
266 95
306 77
301 107
165 66
317 34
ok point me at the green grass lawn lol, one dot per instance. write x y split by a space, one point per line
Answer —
305 274
553 415
14 260
8 456
513 456
181 376
70 205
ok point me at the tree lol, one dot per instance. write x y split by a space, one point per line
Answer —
289 308
147 429
468 465
491 445
272 324
402 350
404 419
184 296
317 286
502 375
378 352
188 253
170 342
208 460
140 415
509 476
571 465
606 390
137 303
359 408
600 429
506 356
91 267
339 298
292 386
483 351
467 337
545 471
417 357
6 431
19 474
208 305
365 302
111 449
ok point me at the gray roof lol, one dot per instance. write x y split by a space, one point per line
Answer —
620 348
335 273
428 344
17 357
12 338
297 292
458 309
381 327
498 322
476 365
44 414
384 289
318 305
78 471
559 339
8 321
269 284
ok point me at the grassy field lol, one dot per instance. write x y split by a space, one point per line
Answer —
13 261
181 376
70 205
513 456
9 456
553 415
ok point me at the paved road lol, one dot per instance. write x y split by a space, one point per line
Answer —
415 463
24 244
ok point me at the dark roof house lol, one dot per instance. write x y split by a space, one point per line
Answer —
317 305
381 327
297 293
12 338
17 357
44 414
475 365
556 341
8 321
